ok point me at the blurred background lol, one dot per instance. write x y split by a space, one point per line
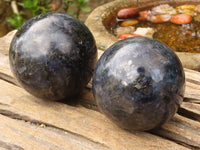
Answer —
14 13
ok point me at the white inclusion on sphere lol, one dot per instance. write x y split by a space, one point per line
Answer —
130 62
126 71
38 38
156 74
21 69
124 83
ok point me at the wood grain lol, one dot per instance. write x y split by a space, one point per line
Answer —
17 134
5 42
17 103
190 110
181 130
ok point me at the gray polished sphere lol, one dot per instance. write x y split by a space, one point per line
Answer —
139 83
53 56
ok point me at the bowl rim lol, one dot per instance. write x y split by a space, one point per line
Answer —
97 18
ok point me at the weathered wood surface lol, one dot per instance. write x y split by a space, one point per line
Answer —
18 134
5 42
27 122
88 124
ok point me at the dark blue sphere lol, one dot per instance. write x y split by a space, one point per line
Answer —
139 83
53 56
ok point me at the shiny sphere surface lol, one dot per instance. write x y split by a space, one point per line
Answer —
53 56
139 83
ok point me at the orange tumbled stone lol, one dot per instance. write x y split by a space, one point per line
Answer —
181 19
144 15
124 36
131 22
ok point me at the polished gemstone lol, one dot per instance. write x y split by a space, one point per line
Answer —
53 56
139 83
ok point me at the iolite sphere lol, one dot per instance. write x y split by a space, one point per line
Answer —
53 56
139 83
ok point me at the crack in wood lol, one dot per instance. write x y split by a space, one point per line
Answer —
189 114
9 146
78 135
14 115
193 81
39 123
8 78
4 104
192 100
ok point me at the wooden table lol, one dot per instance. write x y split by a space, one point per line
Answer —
29 123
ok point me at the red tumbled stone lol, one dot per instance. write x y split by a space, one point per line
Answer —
127 13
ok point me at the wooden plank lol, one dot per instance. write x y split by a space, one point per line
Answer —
17 134
5 42
5 72
192 85
181 130
17 103
192 91
192 75
190 110
4 65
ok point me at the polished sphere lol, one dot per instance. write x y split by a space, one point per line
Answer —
53 56
139 83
